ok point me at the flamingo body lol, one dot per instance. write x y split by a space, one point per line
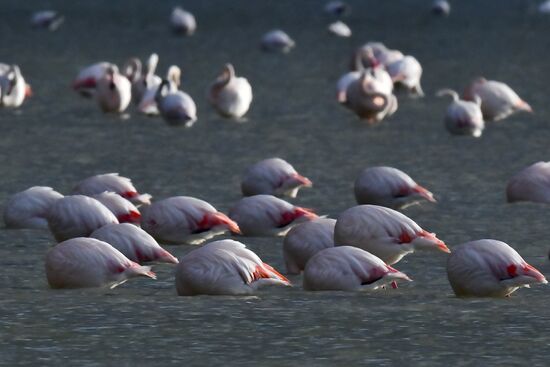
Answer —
28 209
136 244
347 268
112 182
87 262
224 267
530 184
305 240
489 268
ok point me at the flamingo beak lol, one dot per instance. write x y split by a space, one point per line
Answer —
524 106
28 90
303 180
530 271
422 191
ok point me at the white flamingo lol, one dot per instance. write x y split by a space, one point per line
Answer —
28 208
463 117
305 240
182 21
530 184
273 176
489 268
87 262
388 186
183 219
113 91
224 267
123 209
175 106
230 95
136 244
77 216
498 100
383 232
266 215
13 88
123 186
86 81
277 41
347 268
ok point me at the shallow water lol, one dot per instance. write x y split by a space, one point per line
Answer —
57 138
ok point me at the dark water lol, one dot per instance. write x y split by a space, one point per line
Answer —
57 138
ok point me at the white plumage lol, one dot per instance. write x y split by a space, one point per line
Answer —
388 186
224 267
383 232
77 216
230 95
182 21
273 176
87 262
277 41
183 219
28 208
489 268
123 186
136 244
305 240
266 215
113 91
347 268
463 117
124 210
530 184
498 100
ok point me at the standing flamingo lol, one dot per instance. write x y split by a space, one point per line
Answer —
489 268
224 267
347 268
113 91
183 219
388 186
463 117
266 215
87 262
230 95
383 232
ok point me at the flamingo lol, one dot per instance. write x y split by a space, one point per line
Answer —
498 100
13 88
48 19
175 106
273 176
338 8
390 187
148 103
441 7
347 268
113 91
277 41
146 82
373 54
489 268
383 232
339 29
123 209
463 117
224 267
305 240
77 216
123 186
407 72
136 244
182 22
86 81
530 184
266 215
28 208
371 95
87 262
230 95
183 219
